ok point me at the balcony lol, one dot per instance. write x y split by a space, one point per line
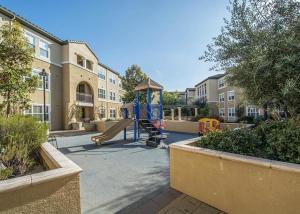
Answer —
84 99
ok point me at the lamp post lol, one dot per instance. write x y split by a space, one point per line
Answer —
44 74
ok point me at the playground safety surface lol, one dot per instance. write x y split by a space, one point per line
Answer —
126 177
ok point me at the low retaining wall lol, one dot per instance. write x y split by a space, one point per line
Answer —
102 126
192 127
235 183
181 126
54 191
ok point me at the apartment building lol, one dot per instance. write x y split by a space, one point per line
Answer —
206 92
224 100
78 86
190 94
231 100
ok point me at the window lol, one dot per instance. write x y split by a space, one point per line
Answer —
89 64
231 95
221 112
231 112
120 98
112 79
80 60
44 52
221 97
112 96
102 112
40 80
252 111
101 93
101 75
221 83
37 111
112 113
30 39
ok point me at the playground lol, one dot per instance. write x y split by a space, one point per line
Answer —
122 176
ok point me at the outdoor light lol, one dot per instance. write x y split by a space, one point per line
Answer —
43 73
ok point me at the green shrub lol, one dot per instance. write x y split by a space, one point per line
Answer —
274 140
20 139
5 173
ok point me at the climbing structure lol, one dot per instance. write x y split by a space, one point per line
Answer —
149 116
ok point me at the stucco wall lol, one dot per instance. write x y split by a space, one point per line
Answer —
235 183
56 190
59 196
181 126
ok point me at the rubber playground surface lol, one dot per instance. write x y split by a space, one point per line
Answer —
121 176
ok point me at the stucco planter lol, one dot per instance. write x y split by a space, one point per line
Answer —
235 183
89 126
102 126
77 126
56 190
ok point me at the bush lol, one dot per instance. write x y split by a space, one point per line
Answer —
20 139
246 119
274 140
5 173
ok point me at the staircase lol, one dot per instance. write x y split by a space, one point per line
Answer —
153 132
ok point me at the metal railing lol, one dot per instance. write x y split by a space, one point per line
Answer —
83 97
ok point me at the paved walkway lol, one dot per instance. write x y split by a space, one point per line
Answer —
120 176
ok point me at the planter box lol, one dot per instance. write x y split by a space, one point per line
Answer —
102 126
235 183
181 126
54 191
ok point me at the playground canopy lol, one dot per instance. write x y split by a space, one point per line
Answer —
149 84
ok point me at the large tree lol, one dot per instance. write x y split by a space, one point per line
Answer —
259 47
16 80
133 76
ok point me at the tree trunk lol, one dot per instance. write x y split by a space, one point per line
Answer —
265 108
285 109
8 104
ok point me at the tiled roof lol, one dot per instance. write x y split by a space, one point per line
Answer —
108 68
217 76
29 24
81 42
40 30
148 83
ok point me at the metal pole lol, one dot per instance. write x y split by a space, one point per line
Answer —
43 74
44 89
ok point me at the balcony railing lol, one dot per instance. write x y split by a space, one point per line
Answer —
83 97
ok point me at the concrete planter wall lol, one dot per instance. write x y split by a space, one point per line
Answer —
54 191
101 126
192 127
235 183
181 126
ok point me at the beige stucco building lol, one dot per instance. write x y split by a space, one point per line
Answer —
78 86
223 99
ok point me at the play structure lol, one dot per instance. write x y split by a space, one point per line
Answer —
146 117
207 125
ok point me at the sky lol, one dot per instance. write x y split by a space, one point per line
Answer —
164 37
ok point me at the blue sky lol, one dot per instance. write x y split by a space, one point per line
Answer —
164 37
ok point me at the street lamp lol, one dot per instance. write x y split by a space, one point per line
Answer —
44 74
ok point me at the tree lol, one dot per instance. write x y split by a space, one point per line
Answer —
169 98
16 80
133 76
259 48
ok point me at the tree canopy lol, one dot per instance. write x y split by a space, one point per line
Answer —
16 80
133 76
259 48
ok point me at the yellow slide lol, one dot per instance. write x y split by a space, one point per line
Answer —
111 132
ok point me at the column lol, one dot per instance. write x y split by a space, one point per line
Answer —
179 113
172 114
196 112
